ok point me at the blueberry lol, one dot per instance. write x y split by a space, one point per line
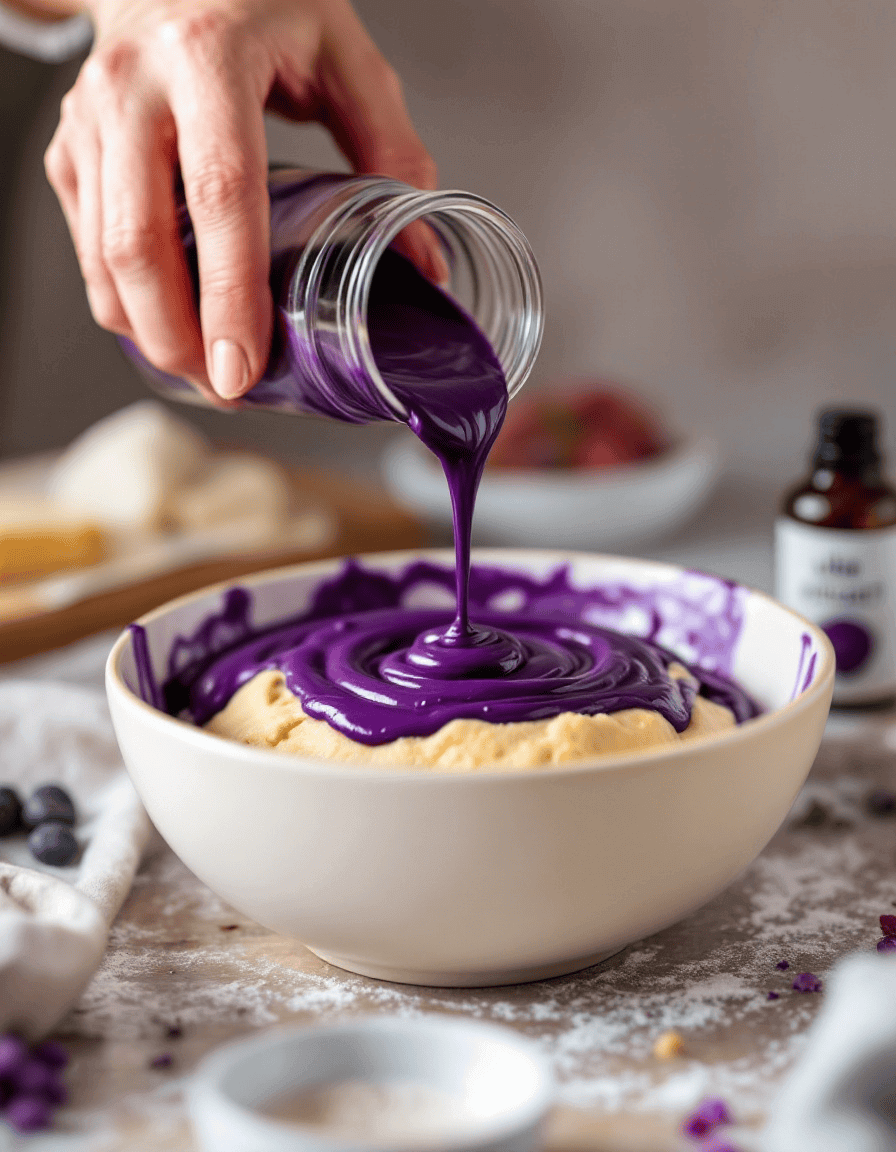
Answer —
28 1113
56 1091
48 803
51 1053
13 1053
10 811
53 843
34 1078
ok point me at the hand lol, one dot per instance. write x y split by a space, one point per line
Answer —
186 82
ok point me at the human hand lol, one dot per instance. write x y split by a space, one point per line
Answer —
186 82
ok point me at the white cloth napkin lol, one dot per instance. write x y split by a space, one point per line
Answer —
841 1097
54 921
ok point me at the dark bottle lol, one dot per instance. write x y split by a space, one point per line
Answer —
835 554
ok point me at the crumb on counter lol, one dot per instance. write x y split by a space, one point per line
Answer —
710 1114
806 982
668 1045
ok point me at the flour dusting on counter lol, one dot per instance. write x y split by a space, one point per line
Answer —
813 896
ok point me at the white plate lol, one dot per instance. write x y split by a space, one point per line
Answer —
577 509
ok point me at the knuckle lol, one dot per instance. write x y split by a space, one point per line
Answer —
224 296
57 165
110 68
218 190
106 309
131 248
68 107
195 33
384 76
171 360
414 165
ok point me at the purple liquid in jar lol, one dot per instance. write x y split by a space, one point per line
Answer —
359 657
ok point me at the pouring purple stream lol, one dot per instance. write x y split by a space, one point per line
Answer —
376 669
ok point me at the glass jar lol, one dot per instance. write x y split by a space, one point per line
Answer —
328 232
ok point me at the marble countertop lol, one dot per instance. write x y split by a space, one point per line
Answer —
185 972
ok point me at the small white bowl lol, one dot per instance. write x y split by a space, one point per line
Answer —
617 508
499 1083
484 877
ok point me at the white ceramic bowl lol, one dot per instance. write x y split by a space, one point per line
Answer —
617 508
483 878
497 1080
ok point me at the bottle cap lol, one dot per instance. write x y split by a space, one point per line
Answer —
847 438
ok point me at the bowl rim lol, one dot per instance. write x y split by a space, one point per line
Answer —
208 1078
684 449
416 777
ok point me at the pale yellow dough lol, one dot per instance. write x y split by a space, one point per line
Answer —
265 713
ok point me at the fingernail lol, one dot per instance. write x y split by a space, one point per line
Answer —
230 371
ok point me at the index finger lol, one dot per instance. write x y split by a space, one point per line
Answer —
223 159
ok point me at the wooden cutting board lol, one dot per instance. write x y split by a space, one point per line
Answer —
367 520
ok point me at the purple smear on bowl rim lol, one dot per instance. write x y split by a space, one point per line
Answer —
887 944
806 982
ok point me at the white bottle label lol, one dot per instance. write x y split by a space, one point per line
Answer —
844 581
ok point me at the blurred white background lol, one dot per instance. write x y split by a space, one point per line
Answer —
709 189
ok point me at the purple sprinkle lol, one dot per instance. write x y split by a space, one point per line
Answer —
782 965
52 1053
806 982
888 925
708 1115
773 996
33 1077
28 1113
13 1052
164 1060
887 944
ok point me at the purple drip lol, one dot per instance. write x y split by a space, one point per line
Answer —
367 662
146 679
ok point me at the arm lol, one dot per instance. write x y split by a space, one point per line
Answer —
185 83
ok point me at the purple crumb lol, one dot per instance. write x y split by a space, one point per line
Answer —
28 1113
887 944
33 1078
708 1115
782 965
806 982
773 996
163 1060
51 1053
888 925
13 1052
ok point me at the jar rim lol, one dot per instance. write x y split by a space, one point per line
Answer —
389 206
